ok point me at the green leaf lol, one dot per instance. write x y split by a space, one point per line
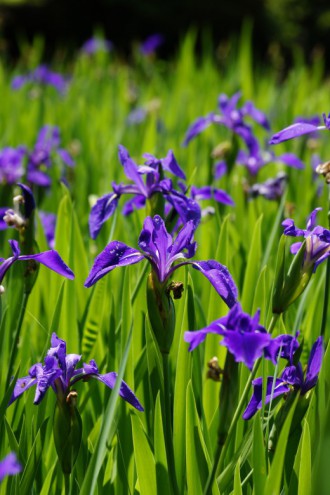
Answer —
305 475
145 461
252 268
163 484
237 480
258 457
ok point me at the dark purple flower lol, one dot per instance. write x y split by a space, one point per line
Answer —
317 240
9 466
299 129
151 44
231 117
271 189
59 372
12 164
162 252
41 157
43 76
292 377
95 45
242 334
143 190
51 259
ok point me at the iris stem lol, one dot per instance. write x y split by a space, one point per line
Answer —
221 450
168 424
16 336
327 287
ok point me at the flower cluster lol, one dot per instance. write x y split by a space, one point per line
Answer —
42 76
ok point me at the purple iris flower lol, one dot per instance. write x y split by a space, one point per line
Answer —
51 259
292 377
231 117
243 336
48 221
95 45
41 157
255 159
12 164
317 240
151 44
59 373
43 76
9 466
299 129
143 190
162 252
271 189
209 192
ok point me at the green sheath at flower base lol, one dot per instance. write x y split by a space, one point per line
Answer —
161 312
288 287
67 429
155 204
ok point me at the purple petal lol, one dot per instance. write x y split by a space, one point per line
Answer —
222 197
311 221
286 345
246 347
197 127
293 131
132 204
3 224
291 160
290 229
52 260
314 365
257 115
294 248
9 466
66 157
131 170
196 337
29 202
256 399
39 178
109 379
169 163
220 169
184 241
220 278
100 212
21 385
115 254
187 208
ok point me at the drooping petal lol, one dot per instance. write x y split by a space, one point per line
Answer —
132 204
9 466
246 347
29 202
52 260
109 379
39 178
284 346
290 228
100 212
187 209
115 254
220 169
196 337
314 365
197 127
256 400
293 131
130 168
184 240
257 115
220 278
222 197
170 164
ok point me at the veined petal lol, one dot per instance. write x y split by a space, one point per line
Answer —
100 212
293 131
220 278
52 260
21 385
115 254
109 379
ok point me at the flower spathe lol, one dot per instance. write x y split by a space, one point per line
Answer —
291 378
59 373
158 247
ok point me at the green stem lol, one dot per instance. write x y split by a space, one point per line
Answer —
327 288
67 484
16 337
168 424
221 451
